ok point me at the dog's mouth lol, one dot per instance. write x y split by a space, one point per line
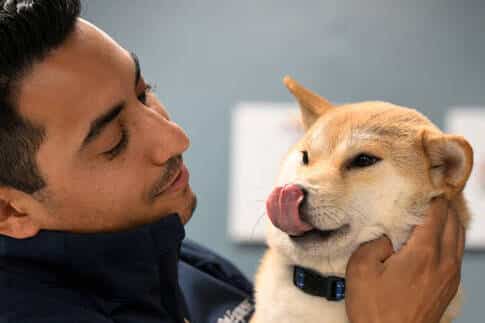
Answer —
322 235
284 208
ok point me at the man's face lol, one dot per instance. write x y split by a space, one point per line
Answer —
102 176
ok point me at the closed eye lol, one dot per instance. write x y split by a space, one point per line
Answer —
123 143
120 146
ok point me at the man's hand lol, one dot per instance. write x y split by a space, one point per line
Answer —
414 285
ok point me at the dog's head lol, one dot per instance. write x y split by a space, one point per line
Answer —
361 170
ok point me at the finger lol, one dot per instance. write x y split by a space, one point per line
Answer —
431 230
375 251
449 242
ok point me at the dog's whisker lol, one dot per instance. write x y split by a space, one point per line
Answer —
256 224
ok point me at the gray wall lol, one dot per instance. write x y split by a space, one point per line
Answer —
207 55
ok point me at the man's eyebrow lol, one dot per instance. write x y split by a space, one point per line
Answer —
100 123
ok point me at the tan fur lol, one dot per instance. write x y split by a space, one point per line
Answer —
419 163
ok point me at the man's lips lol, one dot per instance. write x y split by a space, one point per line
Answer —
178 181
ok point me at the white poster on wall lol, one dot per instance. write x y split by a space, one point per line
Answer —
469 122
261 134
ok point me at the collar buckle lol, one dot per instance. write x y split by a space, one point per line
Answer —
335 288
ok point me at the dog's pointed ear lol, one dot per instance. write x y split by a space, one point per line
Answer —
450 160
312 105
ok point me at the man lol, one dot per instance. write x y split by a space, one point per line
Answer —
94 195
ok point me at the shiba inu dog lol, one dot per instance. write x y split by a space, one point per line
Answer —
360 171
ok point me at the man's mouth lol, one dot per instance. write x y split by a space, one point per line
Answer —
179 177
177 182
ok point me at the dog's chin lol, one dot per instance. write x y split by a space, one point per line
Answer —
315 244
321 236
328 242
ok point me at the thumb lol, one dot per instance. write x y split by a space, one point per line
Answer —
376 251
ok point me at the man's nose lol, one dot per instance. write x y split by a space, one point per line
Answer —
170 140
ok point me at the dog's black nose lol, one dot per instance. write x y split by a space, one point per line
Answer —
303 207
305 192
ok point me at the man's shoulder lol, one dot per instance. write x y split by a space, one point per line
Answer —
32 301
213 288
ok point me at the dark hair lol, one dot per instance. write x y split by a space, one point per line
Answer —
29 31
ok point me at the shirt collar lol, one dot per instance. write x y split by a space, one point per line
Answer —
119 263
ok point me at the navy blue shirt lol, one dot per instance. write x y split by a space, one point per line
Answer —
144 275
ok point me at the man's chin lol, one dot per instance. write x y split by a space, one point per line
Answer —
183 204
187 213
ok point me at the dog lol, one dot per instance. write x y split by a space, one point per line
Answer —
360 170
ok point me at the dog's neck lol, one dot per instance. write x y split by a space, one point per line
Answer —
335 266
331 266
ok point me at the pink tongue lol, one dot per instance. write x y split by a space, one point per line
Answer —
282 208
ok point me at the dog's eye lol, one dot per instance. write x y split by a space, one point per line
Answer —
363 160
305 157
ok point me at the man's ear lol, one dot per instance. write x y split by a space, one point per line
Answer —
450 160
312 106
16 220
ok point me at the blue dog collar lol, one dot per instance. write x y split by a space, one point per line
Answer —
311 282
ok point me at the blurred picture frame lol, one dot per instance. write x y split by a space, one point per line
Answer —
469 122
